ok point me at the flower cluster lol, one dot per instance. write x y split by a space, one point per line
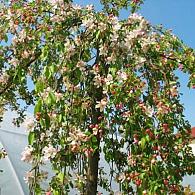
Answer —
100 87
27 154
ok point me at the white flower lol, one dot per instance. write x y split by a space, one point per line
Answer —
146 42
76 7
57 18
29 177
56 2
25 54
14 62
59 96
114 37
42 137
135 17
89 7
70 48
109 79
27 154
9 14
97 80
102 104
162 108
52 2
132 36
103 50
49 152
45 93
111 59
149 111
14 41
174 91
22 35
29 124
141 60
42 175
121 177
102 26
115 23
88 22
4 78
122 75
13 26
81 65
77 41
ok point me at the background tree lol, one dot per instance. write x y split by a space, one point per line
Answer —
99 86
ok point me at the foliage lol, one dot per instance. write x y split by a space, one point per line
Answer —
98 85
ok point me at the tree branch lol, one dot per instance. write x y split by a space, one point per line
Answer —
9 83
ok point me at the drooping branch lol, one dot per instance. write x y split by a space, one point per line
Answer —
9 83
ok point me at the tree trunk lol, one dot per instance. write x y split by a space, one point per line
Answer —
92 174
93 160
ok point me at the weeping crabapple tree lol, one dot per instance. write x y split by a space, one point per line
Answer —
99 86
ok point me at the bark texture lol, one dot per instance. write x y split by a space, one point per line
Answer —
92 174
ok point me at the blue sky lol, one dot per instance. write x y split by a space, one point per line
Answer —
178 15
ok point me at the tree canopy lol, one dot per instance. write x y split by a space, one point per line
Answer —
102 88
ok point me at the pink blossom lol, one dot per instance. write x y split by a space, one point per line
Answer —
4 78
29 124
135 140
136 1
58 96
49 152
122 75
111 59
109 79
101 104
103 50
14 62
98 80
89 7
27 154
88 23
29 177
25 54
174 91
180 66
88 152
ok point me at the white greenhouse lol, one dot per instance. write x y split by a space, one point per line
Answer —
14 141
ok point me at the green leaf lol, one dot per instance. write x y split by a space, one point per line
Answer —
39 86
31 138
55 192
98 34
147 138
47 121
38 106
61 177
142 175
52 69
60 119
51 98
155 187
143 142
46 72
94 139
